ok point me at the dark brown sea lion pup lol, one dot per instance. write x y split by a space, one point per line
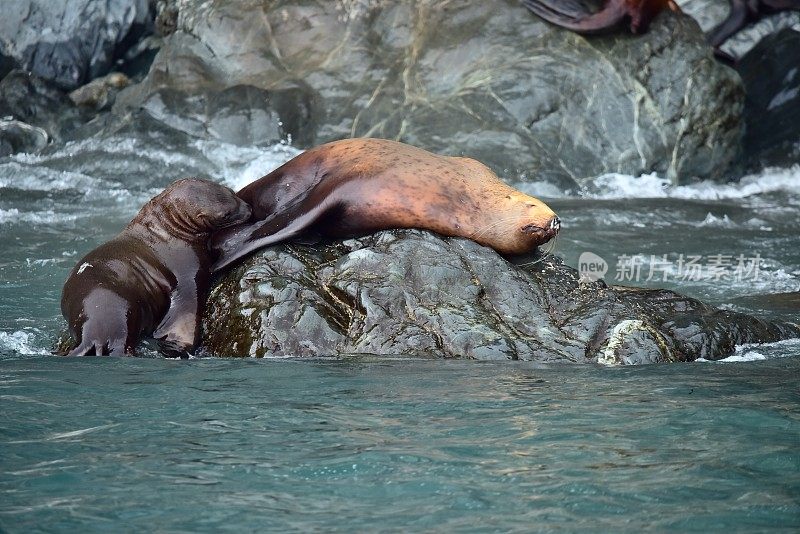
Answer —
152 278
572 15
359 186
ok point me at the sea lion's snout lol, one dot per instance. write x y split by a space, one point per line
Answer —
546 231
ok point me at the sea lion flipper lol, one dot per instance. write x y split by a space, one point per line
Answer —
736 20
99 348
82 349
236 242
179 331
554 12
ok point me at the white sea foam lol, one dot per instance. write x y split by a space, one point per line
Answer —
14 216
749 356
618 186
753 352
24 177
718 222
19 341
238 166
126 146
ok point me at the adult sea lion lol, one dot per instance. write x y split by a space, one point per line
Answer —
359 186
152 278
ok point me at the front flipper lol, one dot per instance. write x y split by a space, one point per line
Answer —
179 332
238 241
571 18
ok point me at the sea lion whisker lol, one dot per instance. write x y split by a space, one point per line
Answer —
484 229
551 248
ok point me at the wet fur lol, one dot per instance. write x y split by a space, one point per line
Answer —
359 186
152 278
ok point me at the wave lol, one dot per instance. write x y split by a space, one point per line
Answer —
614 186
20 342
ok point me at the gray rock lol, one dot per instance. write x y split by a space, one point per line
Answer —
16 136
34 101
413 293
100 93
771 73
487 79
709 13
242 115
71 42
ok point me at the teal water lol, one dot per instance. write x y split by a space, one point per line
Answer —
208 445
215 444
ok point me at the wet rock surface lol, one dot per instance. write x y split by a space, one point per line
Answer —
242 115
486 79
416 294
709 13
71 43
30 100
771 73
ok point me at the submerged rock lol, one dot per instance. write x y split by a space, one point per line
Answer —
417 294
70 43
487 79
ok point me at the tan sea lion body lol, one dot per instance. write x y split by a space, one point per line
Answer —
153 277
359 186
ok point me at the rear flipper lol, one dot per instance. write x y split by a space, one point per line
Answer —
571 16
737 19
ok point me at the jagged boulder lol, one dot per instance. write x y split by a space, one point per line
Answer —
414 293
709 13
771 73
35 111
487 79
70 43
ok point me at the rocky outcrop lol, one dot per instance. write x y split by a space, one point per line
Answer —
242 115
709 13
70 43
771 73
486 79
36 110
413 293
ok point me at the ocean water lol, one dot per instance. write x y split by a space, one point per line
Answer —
95 444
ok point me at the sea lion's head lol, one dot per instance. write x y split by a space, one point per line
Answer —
198 207
519 224
508 220
537 223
